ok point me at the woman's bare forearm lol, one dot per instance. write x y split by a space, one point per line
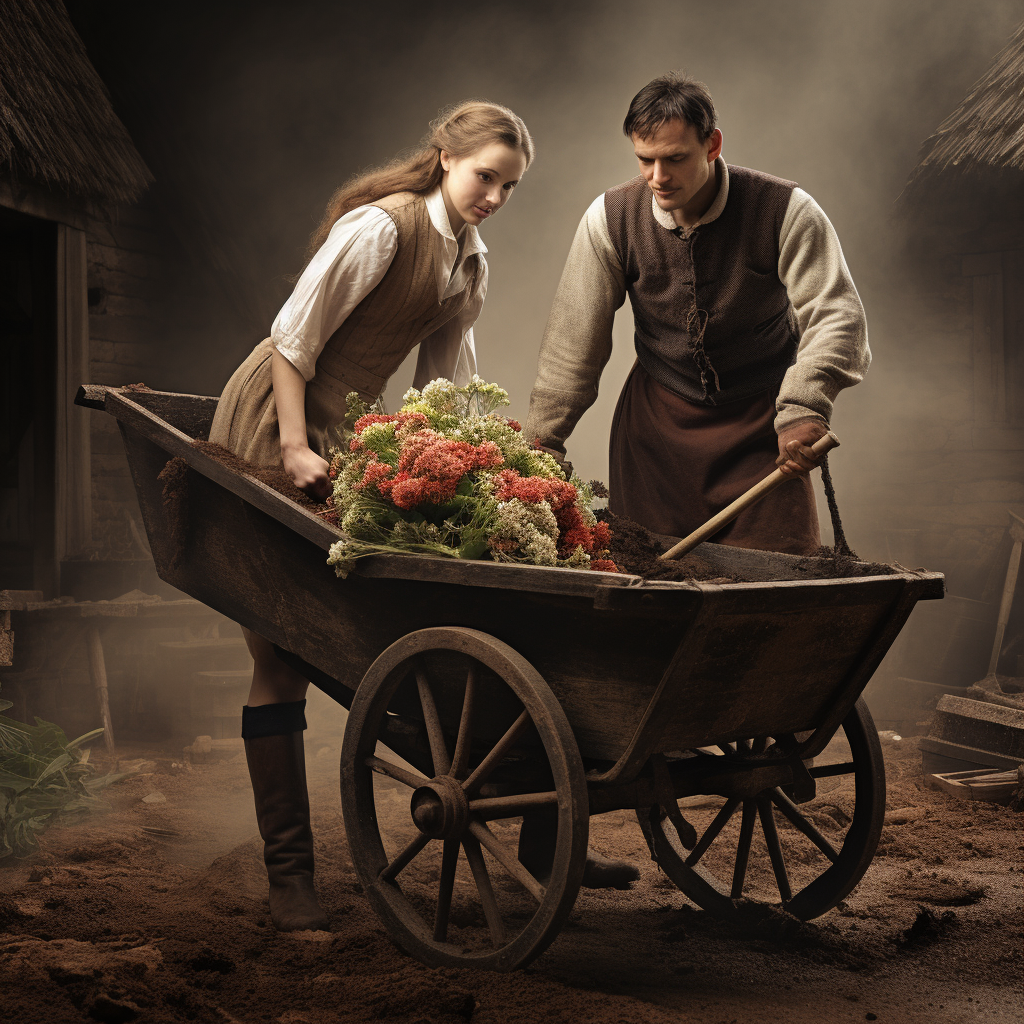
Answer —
305 468
290 398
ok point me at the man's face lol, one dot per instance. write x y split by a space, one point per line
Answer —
676 164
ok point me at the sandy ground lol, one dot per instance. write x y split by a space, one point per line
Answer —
115 921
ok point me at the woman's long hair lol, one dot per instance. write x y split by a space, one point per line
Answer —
459 131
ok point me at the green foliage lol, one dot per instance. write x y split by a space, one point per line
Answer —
42 775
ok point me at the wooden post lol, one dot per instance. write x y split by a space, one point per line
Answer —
1017 533
98 671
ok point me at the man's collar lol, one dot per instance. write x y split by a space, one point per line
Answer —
664 217
439 218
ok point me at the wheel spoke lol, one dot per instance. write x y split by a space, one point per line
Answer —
758 747
500 749
449 862
771 838
507 859
483 886
402 860
826 771
739 873
727 810
412 779
462 744
487 808
438 747
799 822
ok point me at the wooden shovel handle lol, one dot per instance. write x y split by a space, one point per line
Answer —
820 447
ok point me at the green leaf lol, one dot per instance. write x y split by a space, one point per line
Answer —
85 738
473 549
55 766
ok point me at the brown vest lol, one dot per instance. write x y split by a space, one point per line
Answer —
397 315
713 322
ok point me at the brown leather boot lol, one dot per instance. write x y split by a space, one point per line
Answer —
277 768
537 850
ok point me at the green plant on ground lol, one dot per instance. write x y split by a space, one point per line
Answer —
43 775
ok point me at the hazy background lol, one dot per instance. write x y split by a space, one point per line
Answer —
251 114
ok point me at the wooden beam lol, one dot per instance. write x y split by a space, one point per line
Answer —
73 484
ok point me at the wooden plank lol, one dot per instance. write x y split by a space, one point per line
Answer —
117 375
16 600
38 201
73 495
979 724
977 784
134 264
132 331
944 755
116 282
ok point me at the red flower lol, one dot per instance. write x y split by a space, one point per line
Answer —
429 467
532 490
372 417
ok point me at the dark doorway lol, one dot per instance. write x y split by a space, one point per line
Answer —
28 268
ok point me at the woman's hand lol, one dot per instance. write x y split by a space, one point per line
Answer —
306 470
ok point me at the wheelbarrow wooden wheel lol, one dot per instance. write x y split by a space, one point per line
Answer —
806 856
437 851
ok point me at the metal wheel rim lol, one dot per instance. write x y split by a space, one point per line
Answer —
403 922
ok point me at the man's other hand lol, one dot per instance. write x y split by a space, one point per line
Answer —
564 464
795 454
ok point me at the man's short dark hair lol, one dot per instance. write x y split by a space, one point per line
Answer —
671 97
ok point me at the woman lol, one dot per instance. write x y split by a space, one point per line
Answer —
397 262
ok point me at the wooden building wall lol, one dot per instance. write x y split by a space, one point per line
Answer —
127 276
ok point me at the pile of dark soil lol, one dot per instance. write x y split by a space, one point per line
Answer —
272 476
637 551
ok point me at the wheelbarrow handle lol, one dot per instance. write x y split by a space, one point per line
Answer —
820 447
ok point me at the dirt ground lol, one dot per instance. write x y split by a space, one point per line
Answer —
156 911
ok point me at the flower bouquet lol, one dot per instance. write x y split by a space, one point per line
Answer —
447 475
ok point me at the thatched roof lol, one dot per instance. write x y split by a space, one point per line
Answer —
986 132
57 125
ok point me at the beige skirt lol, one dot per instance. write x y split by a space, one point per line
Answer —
246 417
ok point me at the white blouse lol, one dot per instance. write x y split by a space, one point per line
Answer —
352 262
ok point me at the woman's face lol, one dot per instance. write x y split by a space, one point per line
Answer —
477 185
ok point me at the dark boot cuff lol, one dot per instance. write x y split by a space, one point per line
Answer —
273 719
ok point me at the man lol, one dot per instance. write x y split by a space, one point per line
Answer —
747 327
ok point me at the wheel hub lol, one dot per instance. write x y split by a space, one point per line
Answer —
440 808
